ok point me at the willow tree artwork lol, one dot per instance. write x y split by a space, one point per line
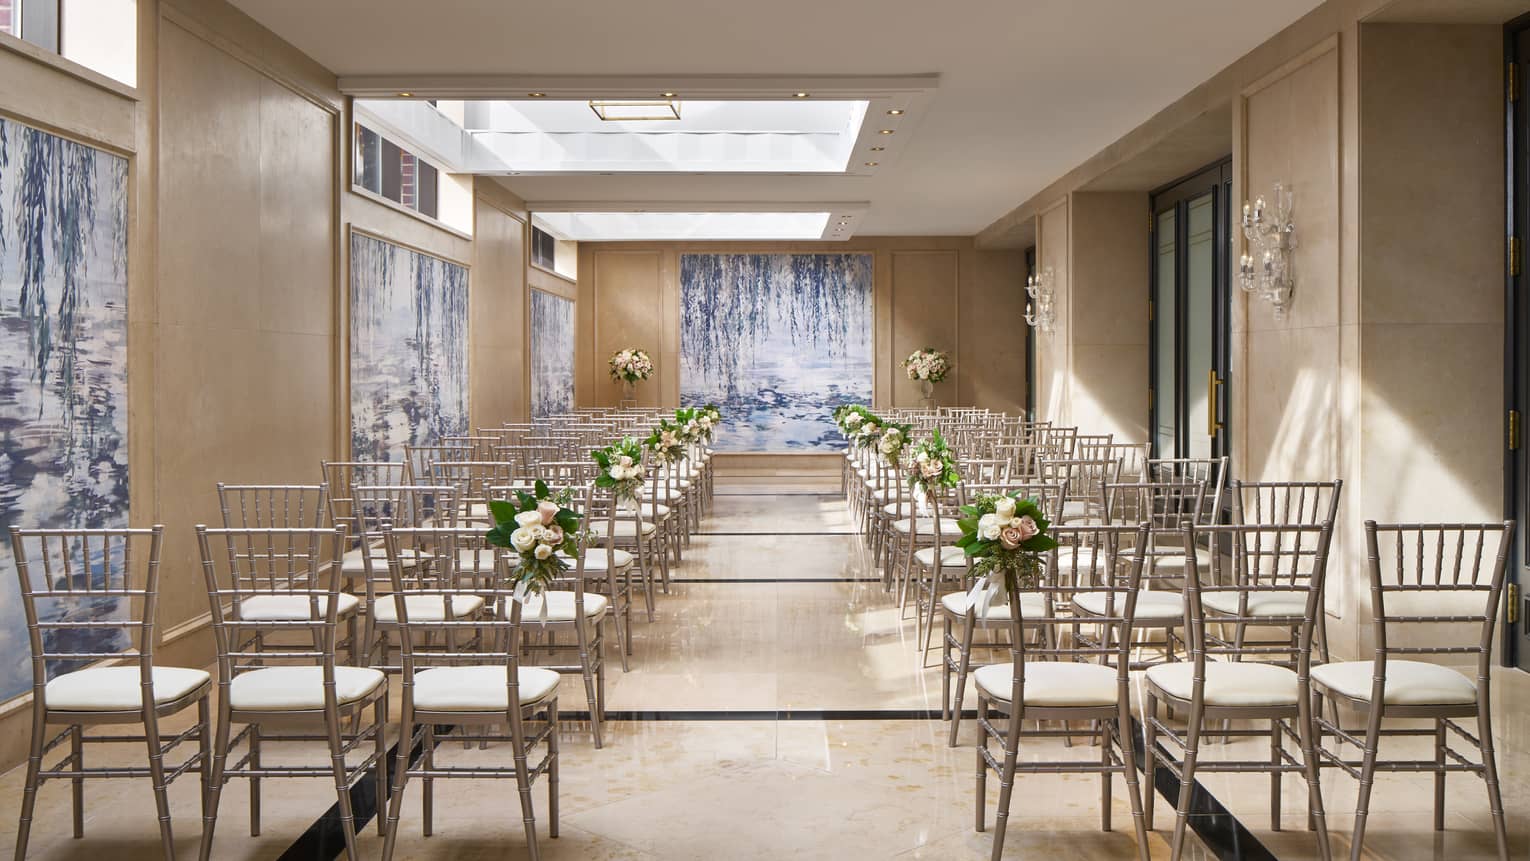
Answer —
778 341
552 354
63 360
409 382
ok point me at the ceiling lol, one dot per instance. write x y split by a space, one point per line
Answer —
1027 89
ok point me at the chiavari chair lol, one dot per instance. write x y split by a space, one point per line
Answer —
1068 681
471 480
422 459
67 578
477 691
1428 582
1222 682
1086 480
482 446
283 692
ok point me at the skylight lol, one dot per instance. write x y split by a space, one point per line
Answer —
657 226
566 136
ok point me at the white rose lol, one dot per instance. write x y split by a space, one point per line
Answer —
990 532
921 457
625 461
528 518
522 539
987 520
543 551
1004 507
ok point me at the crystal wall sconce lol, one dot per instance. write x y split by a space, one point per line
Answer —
1267 270
1039 312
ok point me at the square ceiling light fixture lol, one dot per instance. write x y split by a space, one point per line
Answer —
636 111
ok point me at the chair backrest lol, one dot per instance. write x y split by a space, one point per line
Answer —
1092 446
1211 470
295 506
482 446
1110 558
343 476
1427 579
422 458
1285 501
87 595
455 569
300 565
568 473
1048 495
987 470
401 506
1254 560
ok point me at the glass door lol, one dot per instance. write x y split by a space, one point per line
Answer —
1516 623
1189 337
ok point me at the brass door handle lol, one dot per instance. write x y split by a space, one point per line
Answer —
1212 382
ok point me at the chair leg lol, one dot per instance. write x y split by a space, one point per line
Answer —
945 668
342 790
254 782
380 753
552 769
523 789
428 783
1439 775
157 780
963 668
589 686
1149 757
215 781
982 765
1367 778
1107 748
1307 733
1275 774
1127 745
1006 786
400 778
34 766
204 749
77 763
1490 771
1186 780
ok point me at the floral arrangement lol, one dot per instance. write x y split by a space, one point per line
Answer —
1006 535
689 419
709 417
538 526
933 466
631 366
869 431
667 442
850 417
894 438
621 467
927 365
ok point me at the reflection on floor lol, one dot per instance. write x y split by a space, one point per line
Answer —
758 688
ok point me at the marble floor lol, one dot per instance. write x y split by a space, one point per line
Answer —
777 707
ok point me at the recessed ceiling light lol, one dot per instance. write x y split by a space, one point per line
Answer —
537 95
885 132
895 112
669 95
878 148
799 95
871 164
405 95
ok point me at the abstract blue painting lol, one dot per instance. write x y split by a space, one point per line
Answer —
777 341
409 373
63 360
552 354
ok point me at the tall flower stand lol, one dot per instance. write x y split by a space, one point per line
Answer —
927 393
629 394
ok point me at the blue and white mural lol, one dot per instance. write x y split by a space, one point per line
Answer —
778 341
409 374
552 354
63 360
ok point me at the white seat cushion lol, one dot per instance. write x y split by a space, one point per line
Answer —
1438 602
1151 606
110 689
950 557
1031 604
1234 684
295 688
654 510
1292 602
899 509
426 608
1409 683
479 689
1052 683
353 563
595 559
293 608
948 526
1076 508
624 528
560 606
480 560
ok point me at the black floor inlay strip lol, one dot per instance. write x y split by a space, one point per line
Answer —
766 534
777 580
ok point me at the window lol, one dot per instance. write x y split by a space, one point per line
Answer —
388 170
544 249
101 35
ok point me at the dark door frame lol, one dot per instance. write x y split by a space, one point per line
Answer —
1030 344
1215 178
1516 336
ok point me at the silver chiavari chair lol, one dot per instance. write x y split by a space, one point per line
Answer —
471 480
482 447
296 506
1223 682
342 478
68 578
283 692
1428 582
422 459
1086 480
1211 471
476 690
1068 681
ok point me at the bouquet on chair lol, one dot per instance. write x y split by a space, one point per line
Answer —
713 415
690 421
894 438
870 431
932 469
621 468
667 442
537 526
631 366
849 418
1004 535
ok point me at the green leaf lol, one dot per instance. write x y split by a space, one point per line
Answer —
541 488
503 511
499 536
568 521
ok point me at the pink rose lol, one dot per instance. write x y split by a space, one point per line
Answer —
548 509
1011 538
554 534
1027 528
